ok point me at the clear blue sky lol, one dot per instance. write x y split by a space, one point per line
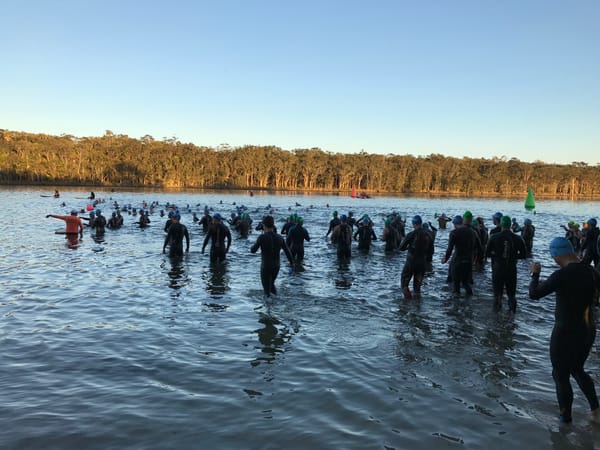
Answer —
480 78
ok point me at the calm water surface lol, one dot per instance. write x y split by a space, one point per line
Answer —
110 344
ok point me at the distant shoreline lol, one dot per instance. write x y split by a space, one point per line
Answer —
272 191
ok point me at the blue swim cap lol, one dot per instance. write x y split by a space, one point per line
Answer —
177 216
343 217
560 246
592 223
497 216
417 220
217 216
458 220
527 221
171 214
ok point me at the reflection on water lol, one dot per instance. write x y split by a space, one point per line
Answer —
218 281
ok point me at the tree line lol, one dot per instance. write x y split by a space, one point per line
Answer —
119 160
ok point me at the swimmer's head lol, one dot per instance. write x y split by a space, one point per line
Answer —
505 222
560 246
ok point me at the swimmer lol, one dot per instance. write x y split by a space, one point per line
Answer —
271 244
174 238
217 233
419 244
505 248
575 285
73 223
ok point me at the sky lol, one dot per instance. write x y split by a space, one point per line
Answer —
481 78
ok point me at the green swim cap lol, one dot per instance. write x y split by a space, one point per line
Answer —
505 222
335 213
468 215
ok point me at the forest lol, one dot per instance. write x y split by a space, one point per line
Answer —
118 160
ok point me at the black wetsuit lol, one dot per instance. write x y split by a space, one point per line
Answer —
270 245
589 247
505 248
574 329
217 233
342 237
205 222
466 243
296 236
174 238
365 236
100 224
168 225
391 237
332 224
528 233
419 244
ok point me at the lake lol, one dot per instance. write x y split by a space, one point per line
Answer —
110 344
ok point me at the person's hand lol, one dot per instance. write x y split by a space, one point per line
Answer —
47 215
187 250
536 267
203 250
164 251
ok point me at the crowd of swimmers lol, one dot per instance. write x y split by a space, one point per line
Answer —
470 244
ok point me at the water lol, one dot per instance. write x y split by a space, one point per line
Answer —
111 345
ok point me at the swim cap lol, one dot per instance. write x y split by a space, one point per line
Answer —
592 223
343 217
505 222
114 214
458 220
335 213
98 212
497 216
176 216
527 221
417 220
350 213
171 214
73 212
468 215
217 216
299 220
514 220
560 246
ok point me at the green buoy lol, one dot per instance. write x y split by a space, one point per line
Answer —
529 201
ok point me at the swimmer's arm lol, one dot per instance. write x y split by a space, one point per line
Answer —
539 289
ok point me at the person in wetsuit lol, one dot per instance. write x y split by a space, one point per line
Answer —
99 222
365 234
496 221
205 221
419 244
390 236
528 233
174 238
296 236
271 244
332 224
73 223
589 245
576 285
463 244
217 233
342 238
505 248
